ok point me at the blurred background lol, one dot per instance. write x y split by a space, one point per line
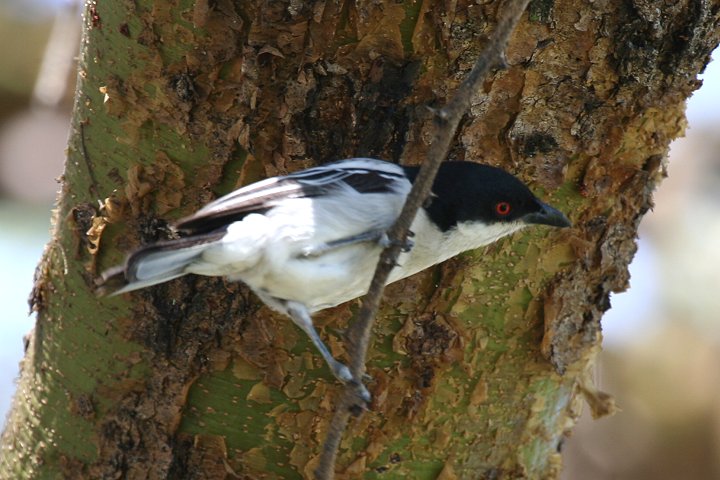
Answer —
661 339
39 41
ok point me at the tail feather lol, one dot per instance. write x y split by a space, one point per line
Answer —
156 263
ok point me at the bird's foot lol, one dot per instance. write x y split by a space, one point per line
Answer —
406 245
343 373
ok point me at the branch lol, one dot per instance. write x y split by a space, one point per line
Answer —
447 120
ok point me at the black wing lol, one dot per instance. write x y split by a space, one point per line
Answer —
363 175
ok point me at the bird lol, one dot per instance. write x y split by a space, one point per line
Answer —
311 240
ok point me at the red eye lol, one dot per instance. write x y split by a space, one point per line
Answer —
502 208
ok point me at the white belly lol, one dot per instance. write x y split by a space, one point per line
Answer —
321 282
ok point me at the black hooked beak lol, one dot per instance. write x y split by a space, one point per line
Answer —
547 215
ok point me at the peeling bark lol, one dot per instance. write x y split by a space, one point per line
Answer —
479 365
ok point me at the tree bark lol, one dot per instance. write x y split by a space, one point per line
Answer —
478 365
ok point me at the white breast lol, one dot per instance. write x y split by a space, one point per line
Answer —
433 246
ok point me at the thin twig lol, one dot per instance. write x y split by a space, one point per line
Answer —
447 120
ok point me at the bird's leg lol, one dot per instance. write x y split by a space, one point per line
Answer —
378 236
301 317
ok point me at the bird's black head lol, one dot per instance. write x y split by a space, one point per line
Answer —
466 192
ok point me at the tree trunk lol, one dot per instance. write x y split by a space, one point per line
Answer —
478 365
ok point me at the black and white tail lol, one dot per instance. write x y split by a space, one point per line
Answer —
156 263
